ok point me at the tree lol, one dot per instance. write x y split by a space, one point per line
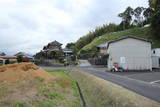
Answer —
20 58
126 17
148 13
155 23
138 15
72 46
39 55
2 54
154 3
99 31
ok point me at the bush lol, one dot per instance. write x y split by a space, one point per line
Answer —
20 58
76 63
66 63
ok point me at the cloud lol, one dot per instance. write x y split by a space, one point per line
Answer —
28 25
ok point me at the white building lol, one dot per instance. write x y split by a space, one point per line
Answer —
156 58
131 53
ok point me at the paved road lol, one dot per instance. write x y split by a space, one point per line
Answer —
131 81
144 83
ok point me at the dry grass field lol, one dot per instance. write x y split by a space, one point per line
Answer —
26 85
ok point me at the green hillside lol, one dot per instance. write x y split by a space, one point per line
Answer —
139 32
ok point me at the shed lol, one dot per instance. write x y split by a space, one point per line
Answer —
131 53
8 59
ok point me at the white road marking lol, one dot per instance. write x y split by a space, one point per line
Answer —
154 81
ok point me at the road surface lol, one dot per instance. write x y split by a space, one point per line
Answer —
148 85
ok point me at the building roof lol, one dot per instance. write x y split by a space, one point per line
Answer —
133 37
112 41
55 43
7 57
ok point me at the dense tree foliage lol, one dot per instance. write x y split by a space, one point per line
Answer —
72 46
148 13
99 31
155 23
138 15
20 58
135 17
39 55
2 54
126 17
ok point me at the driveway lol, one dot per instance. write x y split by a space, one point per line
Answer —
84 63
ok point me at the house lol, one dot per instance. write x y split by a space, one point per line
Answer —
7 60
53 46
53 50
26 57
156 58
130 53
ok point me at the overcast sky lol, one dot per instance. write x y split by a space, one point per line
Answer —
28 25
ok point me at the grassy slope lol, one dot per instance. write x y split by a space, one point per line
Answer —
100 93
139 32
69 89
60 92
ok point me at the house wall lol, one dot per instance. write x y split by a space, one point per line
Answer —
156 52
155 62
131 54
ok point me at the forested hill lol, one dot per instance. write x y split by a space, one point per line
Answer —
130 25
139 32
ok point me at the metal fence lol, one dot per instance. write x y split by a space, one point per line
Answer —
98 61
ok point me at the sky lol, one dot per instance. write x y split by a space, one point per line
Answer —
28 25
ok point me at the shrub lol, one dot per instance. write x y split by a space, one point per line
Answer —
20 58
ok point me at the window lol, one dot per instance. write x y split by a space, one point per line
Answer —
154 51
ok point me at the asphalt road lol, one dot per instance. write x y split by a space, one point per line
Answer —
144 83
